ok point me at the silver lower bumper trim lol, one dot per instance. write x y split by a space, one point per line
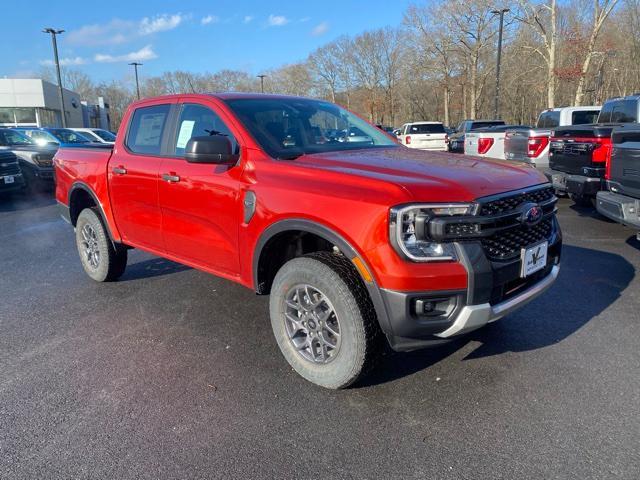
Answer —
472 317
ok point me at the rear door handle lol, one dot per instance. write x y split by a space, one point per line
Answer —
170 178
120 170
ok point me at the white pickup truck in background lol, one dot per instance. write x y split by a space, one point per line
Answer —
532 145
489 142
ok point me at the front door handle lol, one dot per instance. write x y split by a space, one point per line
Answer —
120 170
170 178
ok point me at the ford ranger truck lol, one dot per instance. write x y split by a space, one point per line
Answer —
578 154
357 242
621 202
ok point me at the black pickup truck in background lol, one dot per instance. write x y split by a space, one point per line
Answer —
622 200
578 154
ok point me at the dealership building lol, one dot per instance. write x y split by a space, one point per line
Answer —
35 103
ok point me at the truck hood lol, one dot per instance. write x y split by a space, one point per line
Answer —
429 176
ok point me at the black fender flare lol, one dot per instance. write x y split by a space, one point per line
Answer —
332 237
79 185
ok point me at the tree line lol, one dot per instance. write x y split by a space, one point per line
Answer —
440 64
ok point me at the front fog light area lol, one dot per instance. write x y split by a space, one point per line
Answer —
409 231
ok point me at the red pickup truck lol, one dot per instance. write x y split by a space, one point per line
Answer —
356 238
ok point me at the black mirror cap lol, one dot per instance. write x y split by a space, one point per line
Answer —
210 149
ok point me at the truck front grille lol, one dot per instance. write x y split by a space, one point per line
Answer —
8 164
512 202
508 244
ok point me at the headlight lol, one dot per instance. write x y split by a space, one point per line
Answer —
409 233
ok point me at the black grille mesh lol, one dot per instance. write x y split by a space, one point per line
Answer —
508 243
512 202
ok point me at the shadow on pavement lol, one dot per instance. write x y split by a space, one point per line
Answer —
589 282
589 212
26 200
154 267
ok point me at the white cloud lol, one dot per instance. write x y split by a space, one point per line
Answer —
277 20
209 19
320 29
65 61
160 23
247 19
118 31
145 53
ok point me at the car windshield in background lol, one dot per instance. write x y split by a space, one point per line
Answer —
289 127
426 128
105 135
477 125
11 137
68 136
584 117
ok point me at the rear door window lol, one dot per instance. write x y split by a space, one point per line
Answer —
147 128
625 111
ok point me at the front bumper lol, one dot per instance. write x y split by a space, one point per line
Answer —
17 184
620 208
495 289
35 172
580 185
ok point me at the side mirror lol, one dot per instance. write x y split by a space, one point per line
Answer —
210 149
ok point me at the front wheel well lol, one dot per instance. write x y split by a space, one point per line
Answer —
283 247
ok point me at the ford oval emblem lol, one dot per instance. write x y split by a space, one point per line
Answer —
531 214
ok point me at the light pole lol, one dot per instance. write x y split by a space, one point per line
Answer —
261 77
135 67
500 12
53 33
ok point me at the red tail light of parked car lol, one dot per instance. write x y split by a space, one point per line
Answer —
484 144
536 146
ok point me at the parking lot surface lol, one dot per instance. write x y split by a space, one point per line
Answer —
173 373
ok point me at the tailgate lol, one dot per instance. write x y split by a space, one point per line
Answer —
625 163
427 139
516 144
570 156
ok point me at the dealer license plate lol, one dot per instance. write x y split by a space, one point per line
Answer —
9 179
534 259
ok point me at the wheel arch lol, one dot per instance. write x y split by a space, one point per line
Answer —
82 196
269 242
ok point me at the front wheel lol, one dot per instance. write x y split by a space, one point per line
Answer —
100 259
323 320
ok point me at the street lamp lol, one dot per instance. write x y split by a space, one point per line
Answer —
261 77
53 33
135 67
500 12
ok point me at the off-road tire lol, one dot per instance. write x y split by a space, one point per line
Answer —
361 338
112 260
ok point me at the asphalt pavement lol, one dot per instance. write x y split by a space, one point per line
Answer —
173 373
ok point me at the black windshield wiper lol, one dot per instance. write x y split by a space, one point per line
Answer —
216 132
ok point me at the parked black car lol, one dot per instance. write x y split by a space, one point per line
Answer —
11 178
456 140
621 202
36 161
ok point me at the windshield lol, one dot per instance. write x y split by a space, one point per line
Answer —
105 135
68 136
11 137
288 127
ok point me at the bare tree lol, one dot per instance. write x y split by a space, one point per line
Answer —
601 10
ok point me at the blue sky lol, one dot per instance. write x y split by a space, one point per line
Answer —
102 37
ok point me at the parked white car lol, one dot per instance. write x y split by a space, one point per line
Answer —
425 136
97 135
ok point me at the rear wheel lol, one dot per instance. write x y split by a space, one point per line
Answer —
100 259
323 320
